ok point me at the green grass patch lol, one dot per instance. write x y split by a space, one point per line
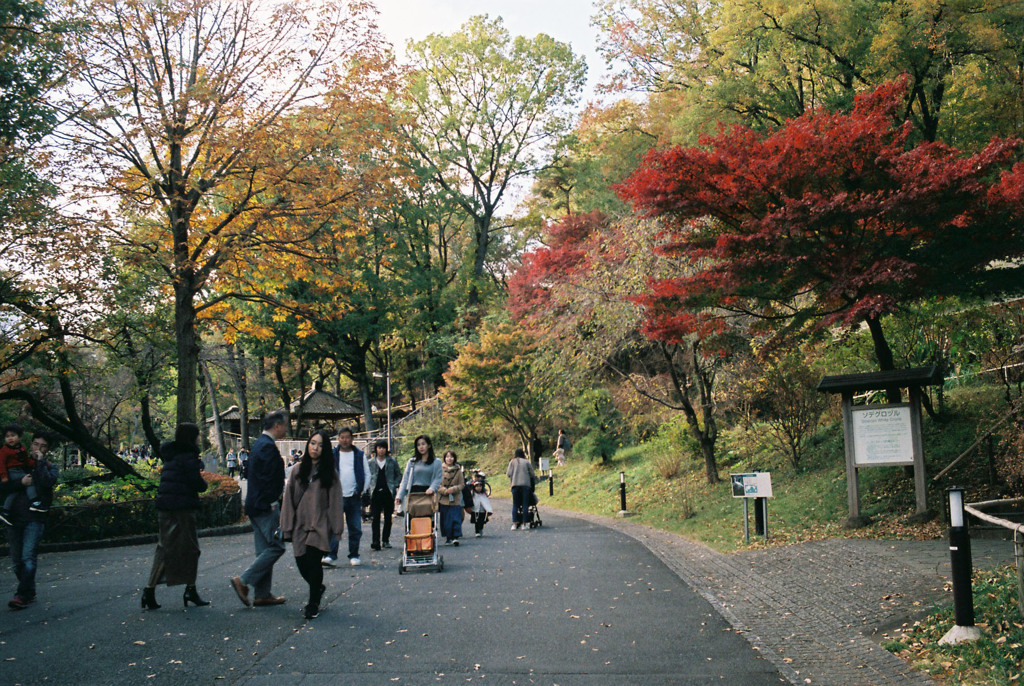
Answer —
996 658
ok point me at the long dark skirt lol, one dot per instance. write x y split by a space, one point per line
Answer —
176 560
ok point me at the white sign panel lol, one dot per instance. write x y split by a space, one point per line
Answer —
882 435
752 485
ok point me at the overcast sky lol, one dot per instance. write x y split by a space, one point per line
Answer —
565 20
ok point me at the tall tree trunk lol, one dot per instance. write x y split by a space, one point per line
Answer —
204 436
187 347
218 429
302 399
261 379
364 391
236 370
147 423
883 354
279 375
482 236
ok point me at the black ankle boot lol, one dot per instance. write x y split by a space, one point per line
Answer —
149 599
192 596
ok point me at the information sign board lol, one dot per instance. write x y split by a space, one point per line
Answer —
882 435
752 485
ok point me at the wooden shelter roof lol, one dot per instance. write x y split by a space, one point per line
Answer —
319 404
879 381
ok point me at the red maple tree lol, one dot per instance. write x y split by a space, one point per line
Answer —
833 219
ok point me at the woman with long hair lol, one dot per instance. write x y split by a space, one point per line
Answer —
176 560
311 514
422 473
452 481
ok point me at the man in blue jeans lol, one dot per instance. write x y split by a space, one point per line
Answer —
263 505
351 465
26 527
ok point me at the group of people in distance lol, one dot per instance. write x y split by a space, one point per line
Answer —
324 493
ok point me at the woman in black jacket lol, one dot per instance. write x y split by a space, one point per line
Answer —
177 552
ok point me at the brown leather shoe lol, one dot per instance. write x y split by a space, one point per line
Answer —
242 590
269 600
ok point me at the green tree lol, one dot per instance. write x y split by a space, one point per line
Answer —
600 425
765 61
31 66
495 379
486 109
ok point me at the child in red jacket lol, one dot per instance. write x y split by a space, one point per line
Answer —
15 465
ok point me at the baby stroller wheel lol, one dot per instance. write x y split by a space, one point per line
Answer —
401 568
440 565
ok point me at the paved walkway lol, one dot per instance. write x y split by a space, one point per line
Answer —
813 611
817 610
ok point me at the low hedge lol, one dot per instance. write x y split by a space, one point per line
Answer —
113 509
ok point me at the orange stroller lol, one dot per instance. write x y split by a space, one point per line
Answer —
422 523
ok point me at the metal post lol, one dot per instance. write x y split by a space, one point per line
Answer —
388 386
1018 555
551 484
761 517
961 568
746 520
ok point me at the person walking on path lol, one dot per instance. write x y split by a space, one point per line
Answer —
351 466
422 473
232 463
311 514
26 527
176 560
385 477
452 481
562 446
262 505
520 473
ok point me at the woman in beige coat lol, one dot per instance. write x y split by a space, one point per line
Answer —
311 514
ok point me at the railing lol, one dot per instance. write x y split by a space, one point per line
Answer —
1018 537
1014 409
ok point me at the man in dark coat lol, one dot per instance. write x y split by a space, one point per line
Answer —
263 506
27 525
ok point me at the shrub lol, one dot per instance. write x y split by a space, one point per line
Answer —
668 465
601 424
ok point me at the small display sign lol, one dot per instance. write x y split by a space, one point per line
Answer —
882 435
752 485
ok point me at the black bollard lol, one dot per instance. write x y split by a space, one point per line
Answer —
961 567
622 491
551 485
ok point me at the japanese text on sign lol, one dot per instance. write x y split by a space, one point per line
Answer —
882 435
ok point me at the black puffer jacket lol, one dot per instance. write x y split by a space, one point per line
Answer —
181 480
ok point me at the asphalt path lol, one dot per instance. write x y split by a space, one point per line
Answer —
570 603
